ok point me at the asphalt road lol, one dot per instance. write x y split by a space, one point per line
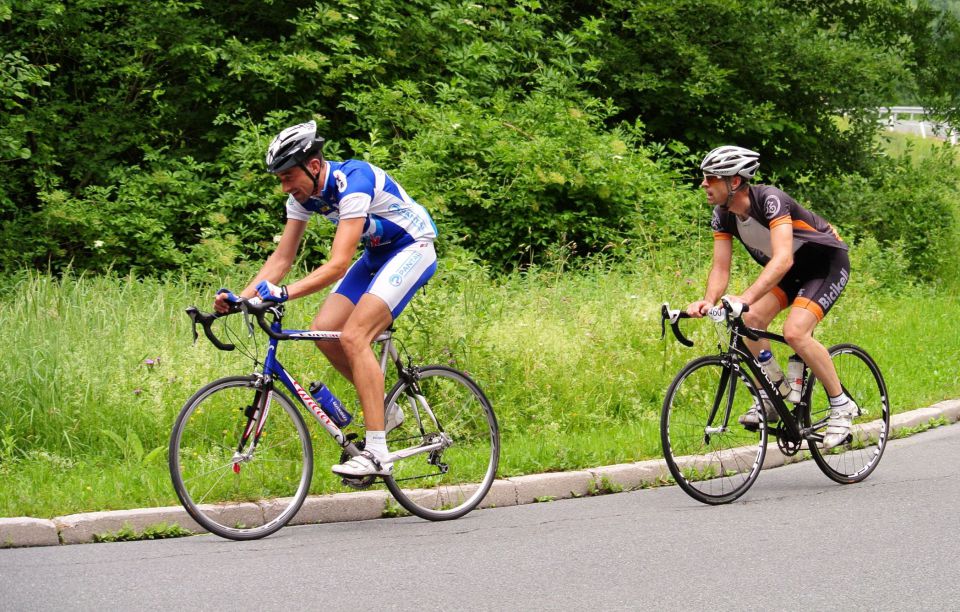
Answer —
796 540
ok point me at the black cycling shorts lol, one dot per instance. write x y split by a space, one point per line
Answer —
815 281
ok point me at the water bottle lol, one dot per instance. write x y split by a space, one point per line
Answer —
773 372
329 403
794 378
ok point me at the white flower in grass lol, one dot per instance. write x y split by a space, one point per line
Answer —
98 244
276 239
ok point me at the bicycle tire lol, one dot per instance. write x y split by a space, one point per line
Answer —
863 382
459 410
713 467
239 500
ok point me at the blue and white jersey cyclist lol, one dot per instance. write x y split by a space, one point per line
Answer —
353 189
369 208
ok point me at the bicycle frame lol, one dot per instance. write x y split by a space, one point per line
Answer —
273 370
739 353
790 428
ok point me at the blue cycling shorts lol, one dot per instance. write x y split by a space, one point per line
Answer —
393 276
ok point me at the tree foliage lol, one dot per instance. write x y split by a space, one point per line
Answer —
132 133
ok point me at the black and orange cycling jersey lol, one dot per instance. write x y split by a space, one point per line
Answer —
821 267
770 207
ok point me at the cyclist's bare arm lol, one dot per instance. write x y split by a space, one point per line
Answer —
281 260
344 247
277 265
781 240
717 280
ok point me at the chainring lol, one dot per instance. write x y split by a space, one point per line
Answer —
788 447
356 483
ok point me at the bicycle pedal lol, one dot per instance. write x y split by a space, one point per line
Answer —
358 483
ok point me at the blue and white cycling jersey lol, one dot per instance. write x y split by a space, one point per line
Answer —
355 189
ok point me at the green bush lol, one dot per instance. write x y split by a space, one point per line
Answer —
509 178
907 206
132 133
144 221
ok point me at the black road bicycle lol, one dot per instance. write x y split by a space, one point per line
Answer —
241 457
715 459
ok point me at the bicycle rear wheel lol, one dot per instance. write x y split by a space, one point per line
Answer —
863 383
240 493
713 458
443 404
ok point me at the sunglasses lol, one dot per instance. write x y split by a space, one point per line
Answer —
711 177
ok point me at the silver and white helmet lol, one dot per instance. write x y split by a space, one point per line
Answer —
292 146
731 161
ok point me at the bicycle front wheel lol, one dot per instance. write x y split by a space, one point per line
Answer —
445 408
232 488
862 381
713 458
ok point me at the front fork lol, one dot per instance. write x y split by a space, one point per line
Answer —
729 379
256 413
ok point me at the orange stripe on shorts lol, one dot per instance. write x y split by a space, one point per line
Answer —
807 304
781 297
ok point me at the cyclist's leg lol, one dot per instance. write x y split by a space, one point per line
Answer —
798 332
761 313
367 320
822 283
338 307
370 317
817 295
397 279
333 315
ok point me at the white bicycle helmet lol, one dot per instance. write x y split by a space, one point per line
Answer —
731 161
292 146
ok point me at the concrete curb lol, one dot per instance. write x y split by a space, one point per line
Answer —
365 505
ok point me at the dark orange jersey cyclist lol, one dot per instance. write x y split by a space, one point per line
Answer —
820 266
805 265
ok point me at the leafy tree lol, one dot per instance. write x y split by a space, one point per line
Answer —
773 76
133 133
938 67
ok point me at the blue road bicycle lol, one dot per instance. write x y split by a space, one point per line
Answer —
241 457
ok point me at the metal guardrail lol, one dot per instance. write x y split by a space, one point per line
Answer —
896 111
912 120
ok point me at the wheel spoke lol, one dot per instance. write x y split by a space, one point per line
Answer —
721 466
448 482
861 379
207 479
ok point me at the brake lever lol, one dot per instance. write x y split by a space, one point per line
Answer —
674 317
192 313
247 319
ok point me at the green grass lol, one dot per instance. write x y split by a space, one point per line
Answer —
154 532
896 144
571 360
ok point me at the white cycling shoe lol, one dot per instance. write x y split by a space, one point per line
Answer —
364 464
751 418
838 424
